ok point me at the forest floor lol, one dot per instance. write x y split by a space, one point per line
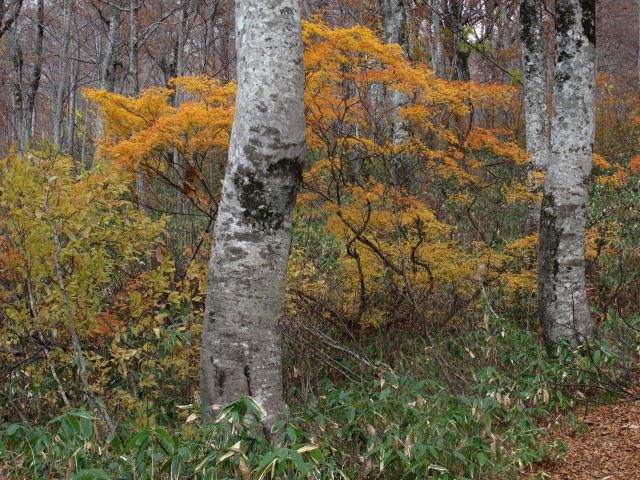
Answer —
607 449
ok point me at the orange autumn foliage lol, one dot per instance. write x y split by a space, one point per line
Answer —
634 165
389 205
152 137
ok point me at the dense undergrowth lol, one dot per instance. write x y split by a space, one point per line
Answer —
400 422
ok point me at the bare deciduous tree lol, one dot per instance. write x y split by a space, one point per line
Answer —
9 12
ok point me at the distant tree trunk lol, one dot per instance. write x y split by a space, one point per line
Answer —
134 80
141 180
108 65
499 17
638 54
108 70
63 74
178 160
241 353
436 21
226 47
534 67
36 73
461 48
394 17
182 39
18 101
73 95
8 16
208 38
24 102
564 311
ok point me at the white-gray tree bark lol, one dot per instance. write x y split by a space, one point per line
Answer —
394 17
63 74
34 83
437 62
70 138
638 53
241 353
134 76
17 60
108 67
534 68
564 311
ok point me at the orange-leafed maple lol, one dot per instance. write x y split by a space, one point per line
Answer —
406 238
153 137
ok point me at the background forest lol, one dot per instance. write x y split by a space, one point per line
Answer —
411 341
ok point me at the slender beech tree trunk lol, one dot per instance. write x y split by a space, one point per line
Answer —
461 49
534 67
134 80
141 180
178 160
63 74
394 18
185 24
108 65
436 20
18 101
73 97
108 69
564 311
638 53
247 272
36 73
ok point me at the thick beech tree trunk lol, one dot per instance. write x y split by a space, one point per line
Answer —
248 266
534 66
564 310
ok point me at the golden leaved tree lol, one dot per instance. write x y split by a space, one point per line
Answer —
66 241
